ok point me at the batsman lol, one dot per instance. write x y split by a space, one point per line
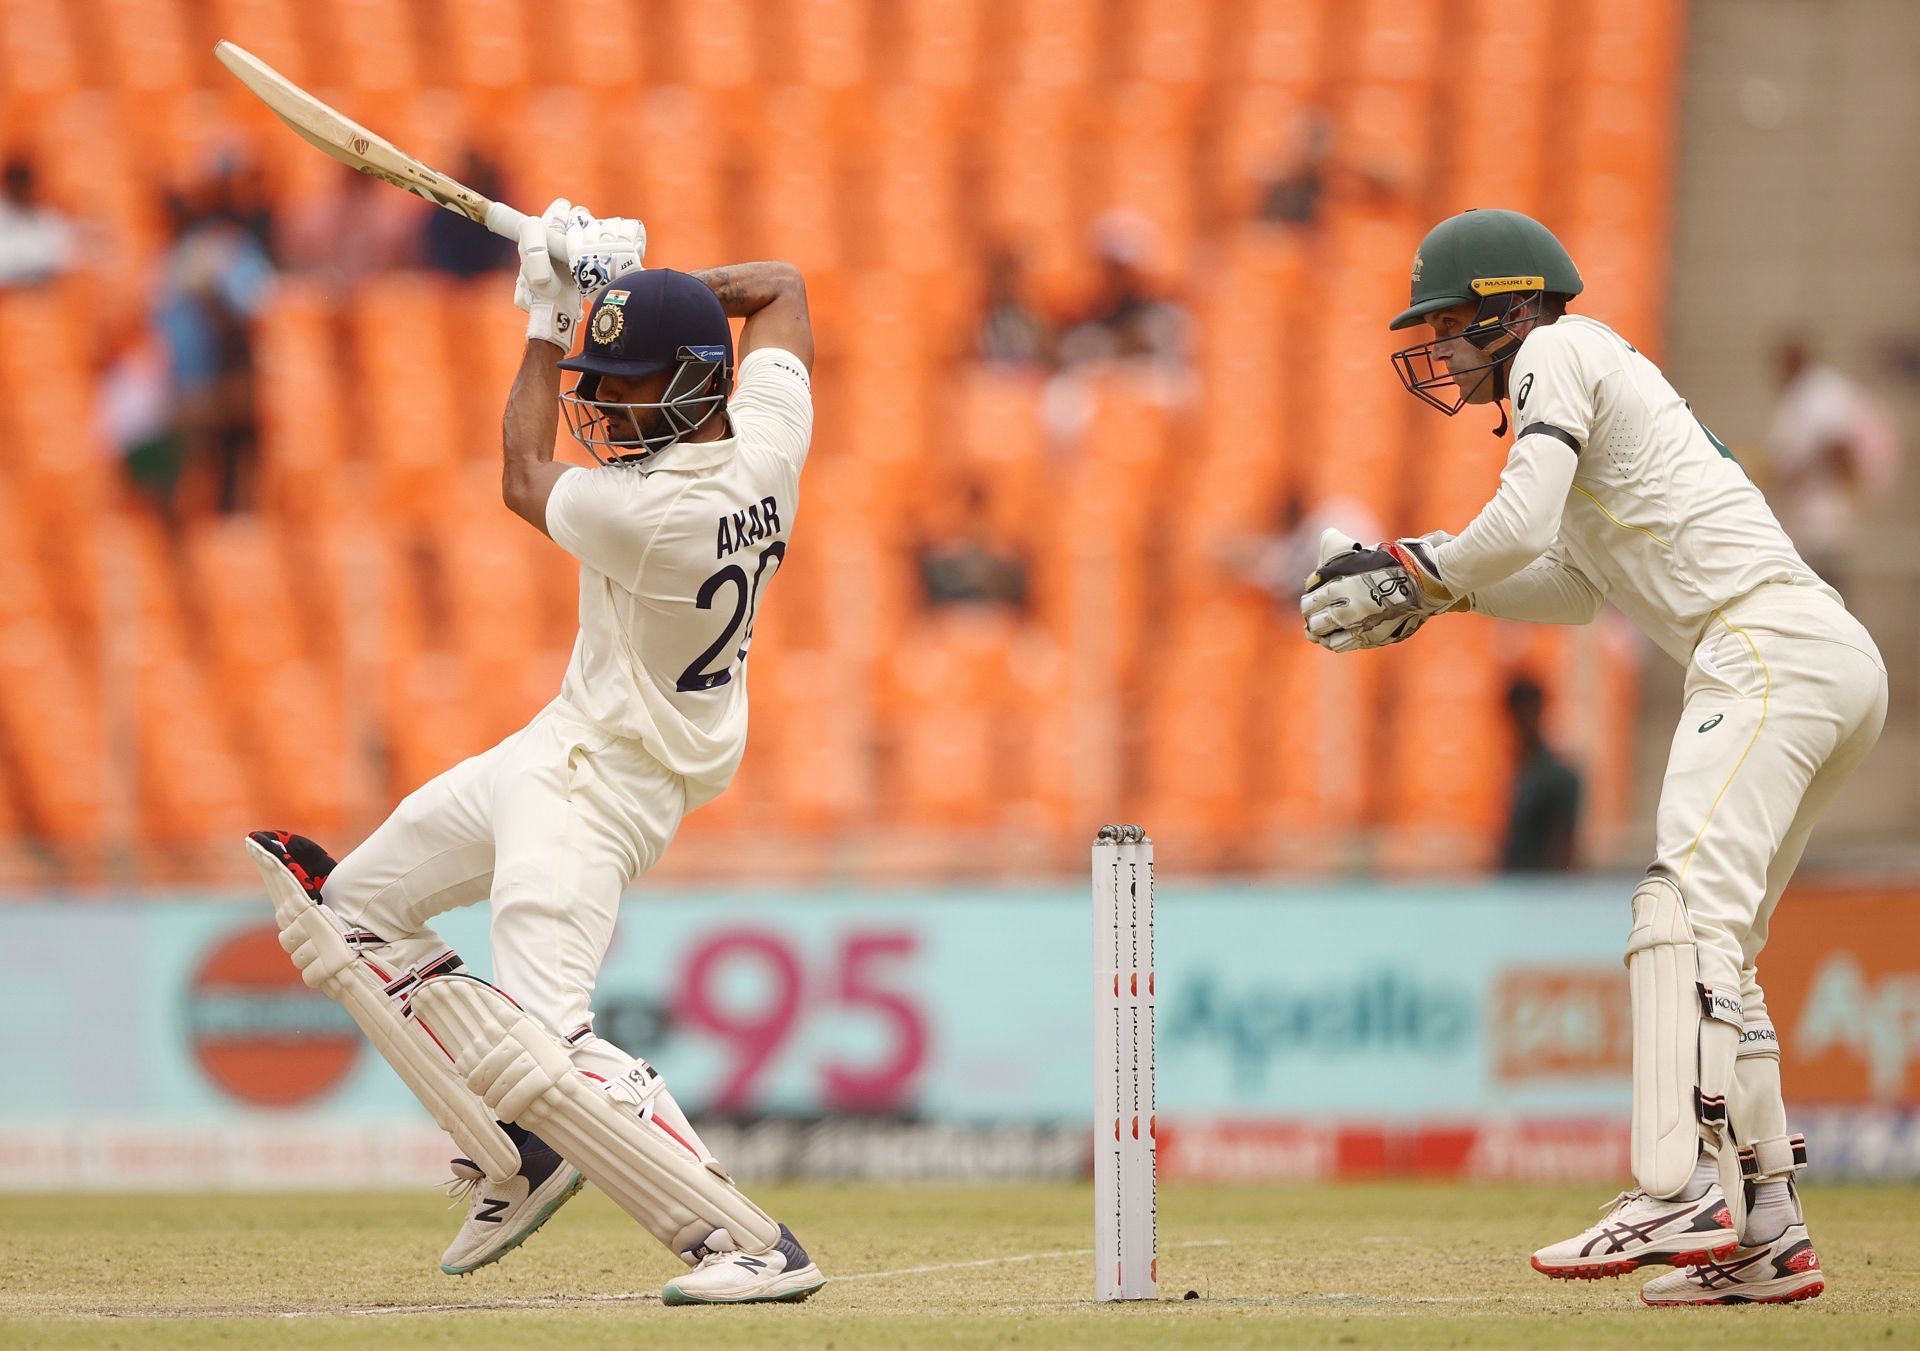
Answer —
678 532
1614 491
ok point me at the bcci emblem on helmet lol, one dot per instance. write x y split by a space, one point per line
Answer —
610 318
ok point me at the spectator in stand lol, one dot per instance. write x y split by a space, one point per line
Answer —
1831 448
1292 196
1127 320
453 244
363 227
1544 817
1295 195
214 280
134 410
1012 331
970 567
36 243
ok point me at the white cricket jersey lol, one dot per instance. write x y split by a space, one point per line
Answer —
676 554
1651 510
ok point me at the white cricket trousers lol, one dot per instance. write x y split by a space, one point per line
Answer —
1785 695
552 824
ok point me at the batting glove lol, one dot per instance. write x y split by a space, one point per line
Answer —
1360 597
549 296
600 250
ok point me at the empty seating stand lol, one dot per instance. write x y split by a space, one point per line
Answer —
382 614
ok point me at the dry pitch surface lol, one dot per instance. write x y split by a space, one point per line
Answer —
1387 1266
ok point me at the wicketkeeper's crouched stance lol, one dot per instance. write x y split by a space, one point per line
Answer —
1613 490
554 822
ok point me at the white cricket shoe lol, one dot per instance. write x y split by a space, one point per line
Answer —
782 1272
1640 1231
505 1214
1779 1272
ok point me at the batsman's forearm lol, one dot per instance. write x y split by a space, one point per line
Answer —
746 288
533 408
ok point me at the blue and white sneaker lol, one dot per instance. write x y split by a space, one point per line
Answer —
781 1273
503 1215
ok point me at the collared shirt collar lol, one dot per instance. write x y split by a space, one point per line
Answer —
689 455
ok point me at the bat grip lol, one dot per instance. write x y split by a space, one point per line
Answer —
503 220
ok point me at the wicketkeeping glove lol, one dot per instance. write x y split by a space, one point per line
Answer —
600 250
1360 597
549 296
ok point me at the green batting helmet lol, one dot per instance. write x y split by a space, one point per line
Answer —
1477 254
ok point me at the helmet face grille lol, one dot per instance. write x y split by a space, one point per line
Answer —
628 433
1494 333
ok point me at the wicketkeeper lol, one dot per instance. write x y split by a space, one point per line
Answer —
1614 491
678 531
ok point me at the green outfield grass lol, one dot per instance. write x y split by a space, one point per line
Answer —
1372 1266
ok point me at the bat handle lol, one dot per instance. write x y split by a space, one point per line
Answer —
503 220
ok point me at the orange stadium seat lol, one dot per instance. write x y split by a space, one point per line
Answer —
1169 44
611 26
829 41
1055 42
943 737
1028 152
936 44
1147 167
797 178
403 365
1263 129
147 44
57 741
1448 758
368 45
302 433
270 30
915 210
1280 42
38 55
712 44
489 42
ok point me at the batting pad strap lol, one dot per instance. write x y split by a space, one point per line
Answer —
526 1075
1757 1037
1774 1159
314 937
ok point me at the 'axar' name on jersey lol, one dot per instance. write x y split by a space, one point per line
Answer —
748 526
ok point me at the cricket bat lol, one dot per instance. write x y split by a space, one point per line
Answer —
353 145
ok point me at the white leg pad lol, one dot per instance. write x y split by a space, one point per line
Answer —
527 1076
316 940
1684 1039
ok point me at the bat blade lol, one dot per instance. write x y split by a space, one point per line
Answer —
335 134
